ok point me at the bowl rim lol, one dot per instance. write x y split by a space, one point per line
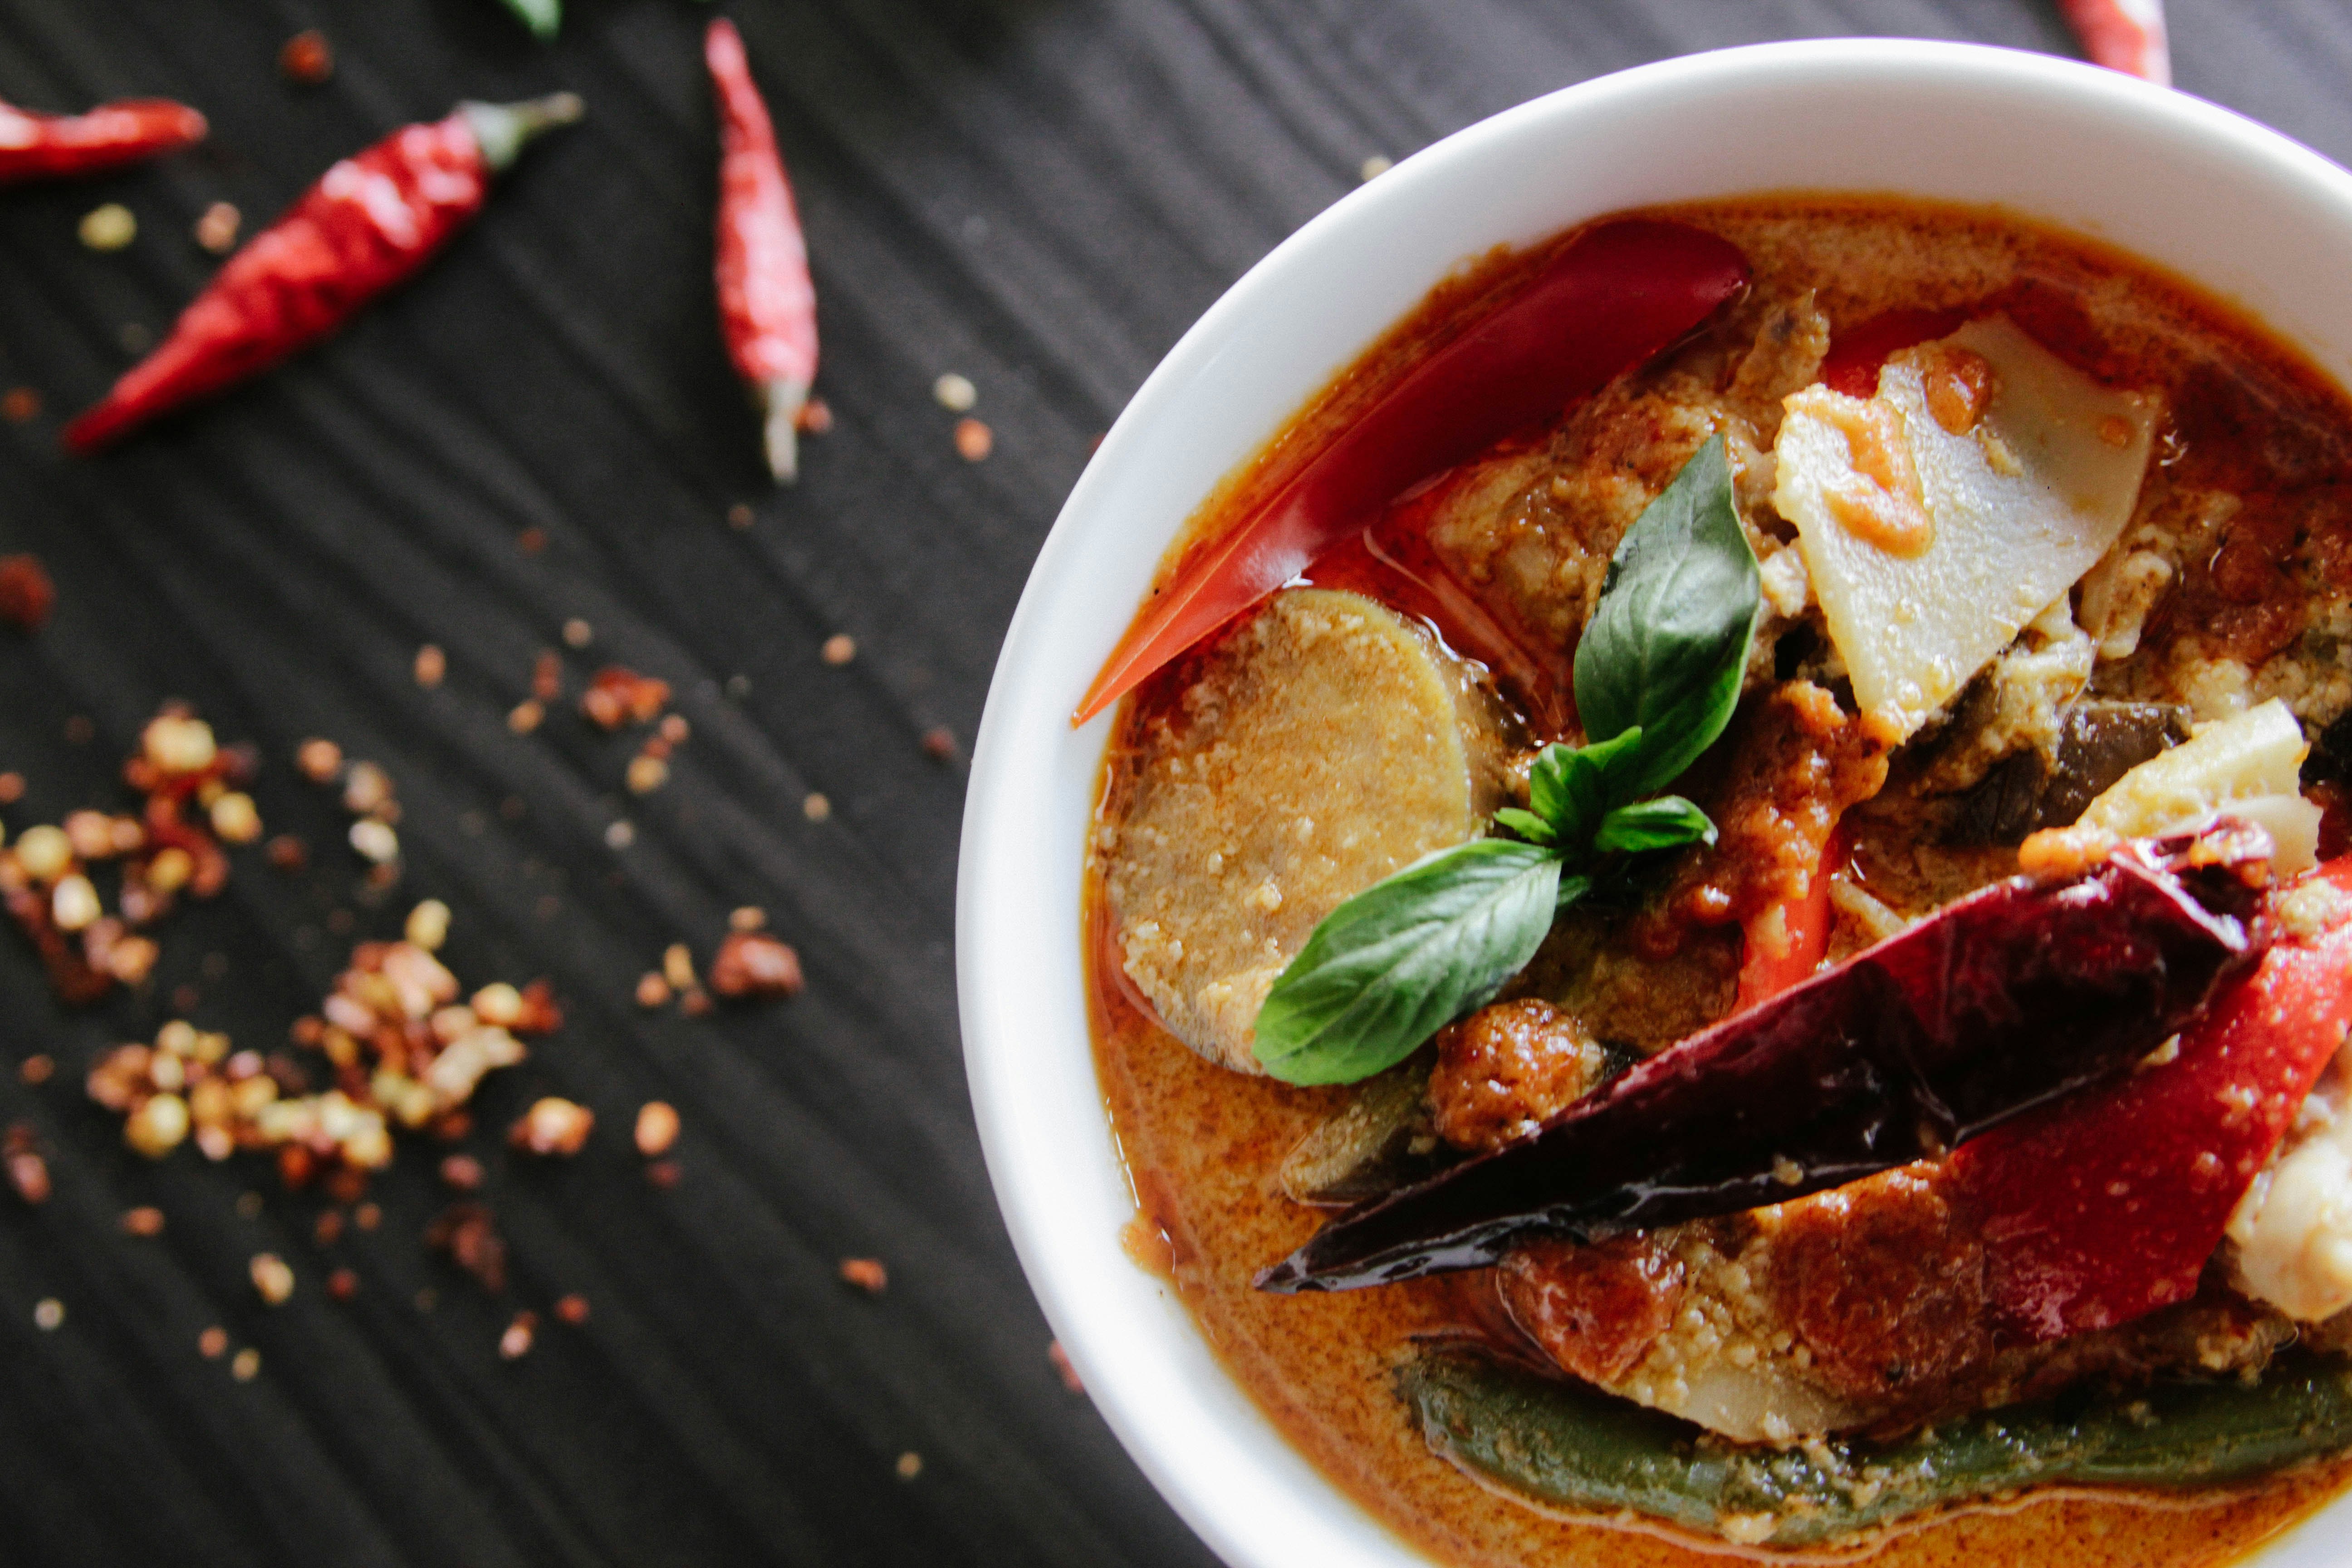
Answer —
1205 1448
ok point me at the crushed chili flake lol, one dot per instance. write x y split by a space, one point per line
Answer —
19 403
246 1365
213 1344
974 441
37 1067
516 1342
657 1129
272 1278
939 744
146 1220
431 666
287 853
531 541
646 773
319 760
27 1171
525 716
867 1273
747 917
466 1232
217 228
367 1217
674 729
678 965
816 807
839 648
462 1171
342 1285
307 58
621 696
910 1465
12 788
653 990
329 1229
751 963
815 416
26 594
573 1308
547 675
552 1125
1061 1360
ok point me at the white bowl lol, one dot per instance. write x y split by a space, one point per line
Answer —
2254 218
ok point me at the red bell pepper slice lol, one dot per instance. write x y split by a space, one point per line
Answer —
2107 1206
1805 921
1610 298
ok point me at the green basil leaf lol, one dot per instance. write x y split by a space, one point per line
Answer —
1668 643
1665 822
1405 957
1571 889
1526 824
1570 787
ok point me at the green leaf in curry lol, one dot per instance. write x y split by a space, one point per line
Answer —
1668 645
1668 822
1401 959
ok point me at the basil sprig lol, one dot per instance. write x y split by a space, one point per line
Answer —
1657 675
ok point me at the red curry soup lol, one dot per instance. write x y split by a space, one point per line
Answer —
1716 921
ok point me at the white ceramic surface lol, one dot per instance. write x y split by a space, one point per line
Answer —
2249 214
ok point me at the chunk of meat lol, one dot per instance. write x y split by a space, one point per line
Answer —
1596 1309
1505 1068
1314 749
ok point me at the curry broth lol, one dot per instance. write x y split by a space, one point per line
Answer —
1203 1144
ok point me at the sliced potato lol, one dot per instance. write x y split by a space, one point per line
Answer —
1324 744
2250 765
1934 526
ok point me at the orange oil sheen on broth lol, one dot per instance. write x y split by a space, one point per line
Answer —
1203 1144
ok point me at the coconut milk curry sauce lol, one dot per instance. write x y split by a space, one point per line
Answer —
2158 672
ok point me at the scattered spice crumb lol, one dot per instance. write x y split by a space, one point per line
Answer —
747 917
547 675
867 1273
236 818
12 788
108 228
974 441
319 760
271 1277
578 632
217 228
515 1343
329 1229
661 1173
432 666
573 1308
839 648
26 594
739 515
307 58
287 852
1061 1360
674 729
213 1344
427 925
462 1171
939 744
910 1465
246 1365
621 696
696 1003
19 403
619 835
1373 167
466 1232
525 716
653 990
815 416
27 1171
678 965
657 1127
552 1125
375 841
956 394
144 1220
751 963
342 1285
49 1314
37 1068
531 541
816 808
646 773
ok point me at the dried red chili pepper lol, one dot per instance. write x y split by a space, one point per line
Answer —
2123 34
1608 300
767 304
370 223
36 146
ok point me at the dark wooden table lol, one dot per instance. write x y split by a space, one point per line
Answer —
1038 194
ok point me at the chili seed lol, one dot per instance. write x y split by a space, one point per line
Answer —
307 58
525 716
515 1343
553 1125
26 594
646 774
235 817
974 441
271 1277
157 1125
44 853
216 229
573 1308
49 1314
108 228
578 632
213 1344
319 760
20 404
431 666
816 808
751 965
956 394
144 1220
428 925
867 1273
656 1129
246 1365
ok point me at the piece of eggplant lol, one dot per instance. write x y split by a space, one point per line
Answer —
2004 1000
2098 741
1564 1445
1382 1139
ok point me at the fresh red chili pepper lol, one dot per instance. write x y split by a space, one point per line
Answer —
1804 934
767 305
1996 1005
371 222
35 146
1609 299
2123 34
2107 1206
